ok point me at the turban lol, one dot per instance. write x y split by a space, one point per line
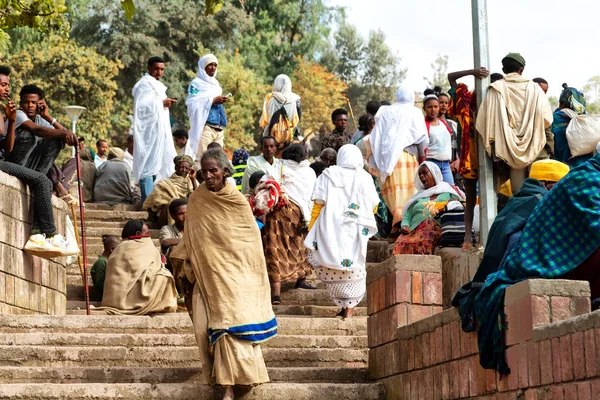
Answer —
184 158
117 152
548 170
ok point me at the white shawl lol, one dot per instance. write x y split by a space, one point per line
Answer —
282 96
396 127
297 180
153 144
201 92
439 188
341 233
513 117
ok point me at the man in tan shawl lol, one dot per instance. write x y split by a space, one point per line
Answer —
513 118
137 282
221 253
179 186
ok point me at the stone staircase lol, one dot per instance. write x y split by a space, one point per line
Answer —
314 356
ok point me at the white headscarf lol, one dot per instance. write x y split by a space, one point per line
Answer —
202 91
439 188
396 127
282 89
282 97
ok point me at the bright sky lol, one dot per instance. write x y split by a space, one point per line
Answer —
558 39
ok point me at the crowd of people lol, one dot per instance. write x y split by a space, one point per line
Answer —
235 227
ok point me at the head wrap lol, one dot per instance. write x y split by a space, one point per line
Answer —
439 188
350 157
548 170
282 89
405 95
515 56
572 98
117 152
240 157
202 63
185 158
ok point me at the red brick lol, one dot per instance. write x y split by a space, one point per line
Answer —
512 322
373 364
566 360
411 354
399 357
439 345
455 339
371 331
545 349
380 285
402 287
466 342
403 357
432 289
596 389
591 363
436 376
390 289
561 308
570 392
581 305
399 316
525 319
540 309
473 365
503 383
584 391
419 352
387 326
463 377
532 394
481 379
436 309
490 380
445 381
578 355
597 334
426 349
523 370
414 385
453 375
428 376
446 343
558 392
417 288
512 358
533 363
417 312
370 299
556 360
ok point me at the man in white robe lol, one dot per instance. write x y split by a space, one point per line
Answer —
153 146
205 108
263 162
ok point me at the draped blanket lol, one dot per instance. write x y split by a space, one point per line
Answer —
137 283
561 233
166 190
223 245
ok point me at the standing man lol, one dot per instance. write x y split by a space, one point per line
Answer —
128 157
153 146
548 149
263 162
101 149
338 137
513 118
205 108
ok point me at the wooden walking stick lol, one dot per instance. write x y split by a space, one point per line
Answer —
79 258
83 247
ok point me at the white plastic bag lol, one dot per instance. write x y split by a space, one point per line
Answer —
71 240
583 134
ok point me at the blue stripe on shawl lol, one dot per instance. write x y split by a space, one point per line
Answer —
255 333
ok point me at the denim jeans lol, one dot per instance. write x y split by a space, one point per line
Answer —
146 186
445 168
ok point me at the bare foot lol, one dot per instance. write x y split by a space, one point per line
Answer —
229 393
347 313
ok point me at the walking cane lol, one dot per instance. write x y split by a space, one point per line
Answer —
83 235
79 258
351 112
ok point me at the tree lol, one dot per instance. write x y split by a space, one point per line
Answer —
592 89
71 74
440 74
346 57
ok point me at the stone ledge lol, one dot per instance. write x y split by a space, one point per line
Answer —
428 324
546 287
405 262
561 328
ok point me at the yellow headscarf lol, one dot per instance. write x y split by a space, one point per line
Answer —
548 170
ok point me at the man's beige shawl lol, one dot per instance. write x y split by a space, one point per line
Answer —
512 120
166 190
137 283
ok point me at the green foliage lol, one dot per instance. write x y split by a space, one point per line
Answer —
70 75
440 74
129 8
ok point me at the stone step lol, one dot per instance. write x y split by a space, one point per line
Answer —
94 235
158 375
189 391
72 356
115 215
169 340
116 207
94 223
176 323
379 250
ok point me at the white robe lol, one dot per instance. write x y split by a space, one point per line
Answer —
153 143
297 181
255 164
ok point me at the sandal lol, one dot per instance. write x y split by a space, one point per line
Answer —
275 300
304 285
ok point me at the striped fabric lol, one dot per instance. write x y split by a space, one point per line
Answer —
255 333
239 175
453 228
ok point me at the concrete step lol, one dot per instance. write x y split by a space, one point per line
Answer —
116 207
72 356
94 235
169 340
158 375
115 215
189 391
379 250
176 323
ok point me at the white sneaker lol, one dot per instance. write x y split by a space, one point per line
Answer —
38 245
60 242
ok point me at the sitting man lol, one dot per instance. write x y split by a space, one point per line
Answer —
137 282
328 156
262 162
44 241
182 147
113 180
170 235
101 150
98 271
506 230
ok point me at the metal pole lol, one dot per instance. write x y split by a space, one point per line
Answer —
481 56
83 234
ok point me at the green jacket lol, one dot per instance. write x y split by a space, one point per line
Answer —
417 213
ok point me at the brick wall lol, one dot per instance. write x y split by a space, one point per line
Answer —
459 267
553 350
28 285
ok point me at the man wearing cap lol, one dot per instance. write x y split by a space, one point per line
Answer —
205 108
113 180
513 118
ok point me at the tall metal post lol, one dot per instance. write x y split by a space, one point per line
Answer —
481 55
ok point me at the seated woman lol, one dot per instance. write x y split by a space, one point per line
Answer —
561 240
179 186
421 229
137 282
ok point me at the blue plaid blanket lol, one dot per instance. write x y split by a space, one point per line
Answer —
561 233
